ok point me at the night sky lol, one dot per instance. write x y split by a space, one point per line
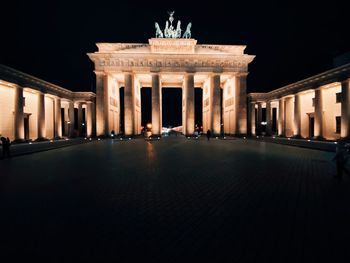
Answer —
291 40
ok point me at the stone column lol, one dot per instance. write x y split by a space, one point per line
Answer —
281 121
297 116
215 107
58 119
89 114
41 116
259 119
129 106
71 119
268 118
156 109
252 120
100 94
318 126
241 105
345 109
18 112
189 90
80 118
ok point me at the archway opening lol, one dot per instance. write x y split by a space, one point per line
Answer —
146 106
121 112
198 109
171 107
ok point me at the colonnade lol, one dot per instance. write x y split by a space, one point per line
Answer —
106 83
321 113
42 116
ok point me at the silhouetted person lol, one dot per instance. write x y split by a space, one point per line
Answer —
208 134
341 158
5 147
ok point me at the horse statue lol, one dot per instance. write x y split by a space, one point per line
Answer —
159 33
187 33
166 30
178 29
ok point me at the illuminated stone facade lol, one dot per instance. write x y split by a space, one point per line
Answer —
166 63
33 109
317 107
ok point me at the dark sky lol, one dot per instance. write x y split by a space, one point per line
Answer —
291 40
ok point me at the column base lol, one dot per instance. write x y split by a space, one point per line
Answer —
41 139
319 138
18 141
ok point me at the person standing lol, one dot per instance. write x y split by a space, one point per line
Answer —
341 158
5 147
208 134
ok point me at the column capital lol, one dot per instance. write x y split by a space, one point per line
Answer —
190 72
242 74
154 71
100 73
213 74
127 72
345 81
319 88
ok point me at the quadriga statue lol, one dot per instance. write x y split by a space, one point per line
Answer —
187 33
159 33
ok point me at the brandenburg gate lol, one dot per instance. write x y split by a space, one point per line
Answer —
171 59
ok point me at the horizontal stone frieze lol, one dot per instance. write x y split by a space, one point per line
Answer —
170 63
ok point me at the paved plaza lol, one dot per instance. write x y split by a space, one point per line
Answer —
174 200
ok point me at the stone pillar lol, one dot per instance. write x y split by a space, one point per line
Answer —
58 119
89 121
241 105
318 125
156 108
18 112
80 118
71 119
281 121
189 91
259 119
215 107
297 116
252 120
268 118
41 116
100 96
345 109
129 101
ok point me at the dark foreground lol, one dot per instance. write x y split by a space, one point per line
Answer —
174 200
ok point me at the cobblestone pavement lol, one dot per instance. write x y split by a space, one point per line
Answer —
174 200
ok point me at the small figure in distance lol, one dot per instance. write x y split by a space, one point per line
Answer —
341 157
208 134
5 147
112 133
